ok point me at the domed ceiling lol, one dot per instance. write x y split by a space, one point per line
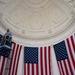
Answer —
37 18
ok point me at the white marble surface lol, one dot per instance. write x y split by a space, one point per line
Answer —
43 18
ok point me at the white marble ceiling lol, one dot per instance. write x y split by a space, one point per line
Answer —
37 18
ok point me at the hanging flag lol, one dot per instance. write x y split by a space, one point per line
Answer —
37 61
2 64
4 54
16 50
65 55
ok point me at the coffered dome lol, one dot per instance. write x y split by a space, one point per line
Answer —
37 18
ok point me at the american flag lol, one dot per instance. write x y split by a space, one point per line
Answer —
4 54
2 64
16 50
3 58
37 61
65 55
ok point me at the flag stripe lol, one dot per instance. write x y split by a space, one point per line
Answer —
43 52
41 61
32 69
37 69
24 69
39 65
49 60
45 61
28 69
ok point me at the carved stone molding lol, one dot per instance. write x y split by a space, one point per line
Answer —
37 19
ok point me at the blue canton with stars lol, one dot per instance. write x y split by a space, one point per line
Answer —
31 55
60 51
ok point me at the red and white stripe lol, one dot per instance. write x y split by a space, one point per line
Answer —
16 50
43 67
67 66
2 64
